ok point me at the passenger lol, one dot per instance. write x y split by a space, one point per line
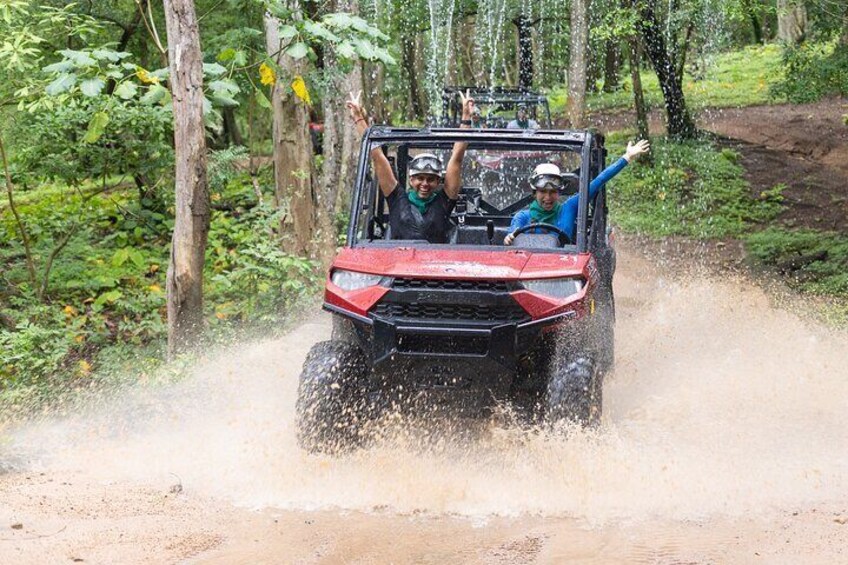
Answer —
423 212
547 182
521 120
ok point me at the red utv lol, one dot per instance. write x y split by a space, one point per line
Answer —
472 323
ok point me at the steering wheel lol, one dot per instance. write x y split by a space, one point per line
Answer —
564 238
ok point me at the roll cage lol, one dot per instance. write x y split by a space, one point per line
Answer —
505 99
368 201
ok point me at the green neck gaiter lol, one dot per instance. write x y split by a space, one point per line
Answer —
420 203
540 215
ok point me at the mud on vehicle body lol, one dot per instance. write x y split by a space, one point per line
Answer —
463 326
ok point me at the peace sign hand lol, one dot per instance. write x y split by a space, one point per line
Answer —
357 112
467 104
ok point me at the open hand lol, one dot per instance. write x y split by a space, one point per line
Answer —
635 149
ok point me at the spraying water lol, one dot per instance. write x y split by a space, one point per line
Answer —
720 404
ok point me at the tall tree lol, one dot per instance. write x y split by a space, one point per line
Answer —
578 61
191 222
680 123
293 175
791 21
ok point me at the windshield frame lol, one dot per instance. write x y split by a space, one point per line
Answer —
525 140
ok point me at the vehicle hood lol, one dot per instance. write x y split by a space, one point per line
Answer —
445 263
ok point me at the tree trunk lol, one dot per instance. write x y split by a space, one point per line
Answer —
415 111
232 135
577 63
843 36
612 63
292 143
756 26
791 21
680 123
525 51
191 221
638 94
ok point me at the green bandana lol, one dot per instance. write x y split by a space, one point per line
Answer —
420 203
539 214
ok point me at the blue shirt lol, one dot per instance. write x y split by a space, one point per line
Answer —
567 219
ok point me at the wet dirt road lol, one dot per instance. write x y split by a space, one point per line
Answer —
725 440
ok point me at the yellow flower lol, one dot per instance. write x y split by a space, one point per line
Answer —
155 288
84 367
299 87
145 76
267 76
69 310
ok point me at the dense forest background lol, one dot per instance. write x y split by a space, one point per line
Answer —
99 197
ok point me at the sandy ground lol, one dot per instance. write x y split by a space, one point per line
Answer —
723 441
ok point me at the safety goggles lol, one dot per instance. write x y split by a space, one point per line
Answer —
425 165
547 181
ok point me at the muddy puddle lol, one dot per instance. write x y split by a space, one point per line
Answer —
723 411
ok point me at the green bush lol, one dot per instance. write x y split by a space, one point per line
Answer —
812 261
813 71
692 189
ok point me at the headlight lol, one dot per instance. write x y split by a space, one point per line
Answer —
557 288
350 280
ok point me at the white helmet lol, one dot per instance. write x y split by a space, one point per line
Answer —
545 175
426 164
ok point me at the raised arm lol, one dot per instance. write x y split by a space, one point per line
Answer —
382 168
633 151
453 174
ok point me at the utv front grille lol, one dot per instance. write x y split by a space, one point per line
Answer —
434 284
500 314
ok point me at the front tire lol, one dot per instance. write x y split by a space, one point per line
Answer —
332 403
573 393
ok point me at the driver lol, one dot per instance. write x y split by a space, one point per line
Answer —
422 211
547 182
521 120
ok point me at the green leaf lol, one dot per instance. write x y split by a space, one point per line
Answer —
120 257
365 49
224 87
287 31
96 127
339 20
107 55
137 258
110 297
297 50
155 93
126 90
92 86
63 83
346 50
318 30
227 54
79 58
223 100
262 100
213 69
60 67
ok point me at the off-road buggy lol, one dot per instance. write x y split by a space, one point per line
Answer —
464 326
498 105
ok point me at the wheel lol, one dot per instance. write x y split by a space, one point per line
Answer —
332 404
605 333
573 393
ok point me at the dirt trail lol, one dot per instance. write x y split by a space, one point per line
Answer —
802 146
723 442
